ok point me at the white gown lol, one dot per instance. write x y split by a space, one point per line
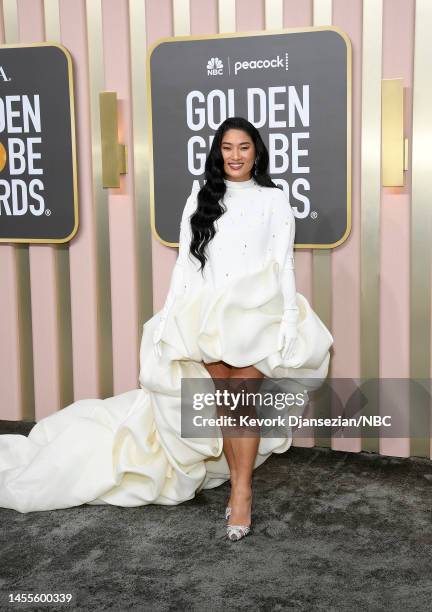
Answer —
127 450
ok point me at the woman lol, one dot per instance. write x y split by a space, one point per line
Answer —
237 168
232 312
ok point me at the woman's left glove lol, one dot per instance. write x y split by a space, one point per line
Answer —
287 339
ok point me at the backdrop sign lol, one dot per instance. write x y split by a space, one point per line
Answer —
294 86
38 187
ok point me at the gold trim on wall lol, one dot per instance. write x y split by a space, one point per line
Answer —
321 257
181 17
227 16
392 132
273 12
10 20
52 20
138 52
62 264
114 154
371 205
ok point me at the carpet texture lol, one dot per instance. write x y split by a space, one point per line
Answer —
332 531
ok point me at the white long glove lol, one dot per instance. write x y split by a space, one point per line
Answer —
179 276
175 290
287 338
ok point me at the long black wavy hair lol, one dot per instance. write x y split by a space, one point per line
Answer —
209 209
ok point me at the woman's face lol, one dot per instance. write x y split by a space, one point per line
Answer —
238 152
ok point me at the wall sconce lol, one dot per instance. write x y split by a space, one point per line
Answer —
394 147
114 160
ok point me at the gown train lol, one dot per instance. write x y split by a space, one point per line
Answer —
127 450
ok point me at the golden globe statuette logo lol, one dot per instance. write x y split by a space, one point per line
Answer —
2 156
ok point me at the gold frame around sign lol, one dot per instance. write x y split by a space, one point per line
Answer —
241 35
73 141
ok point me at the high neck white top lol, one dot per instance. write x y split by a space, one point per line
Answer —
240 184
257 227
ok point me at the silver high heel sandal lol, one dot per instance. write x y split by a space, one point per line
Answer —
237 532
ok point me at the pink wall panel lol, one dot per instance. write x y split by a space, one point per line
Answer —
250 15
297 14
204 16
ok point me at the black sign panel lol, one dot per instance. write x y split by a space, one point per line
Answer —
293 85
38 185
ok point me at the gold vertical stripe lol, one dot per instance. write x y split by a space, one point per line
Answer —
10 18
138 51
181 17
321 261
62 269
322 282
52 20
65 324
322 12
226 16
392 139
22 268
370 203
420 306
96 78
274 14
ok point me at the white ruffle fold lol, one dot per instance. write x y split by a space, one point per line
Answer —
127 450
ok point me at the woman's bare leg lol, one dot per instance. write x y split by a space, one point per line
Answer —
245 449
219 369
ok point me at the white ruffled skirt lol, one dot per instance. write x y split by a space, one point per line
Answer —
127 450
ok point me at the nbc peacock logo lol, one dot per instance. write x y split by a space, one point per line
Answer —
214 66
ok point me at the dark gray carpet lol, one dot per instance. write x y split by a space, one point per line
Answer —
333 531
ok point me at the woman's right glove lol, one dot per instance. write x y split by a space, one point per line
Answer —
176 289
287 339
179 277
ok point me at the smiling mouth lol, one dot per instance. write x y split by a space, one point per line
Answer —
235 166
